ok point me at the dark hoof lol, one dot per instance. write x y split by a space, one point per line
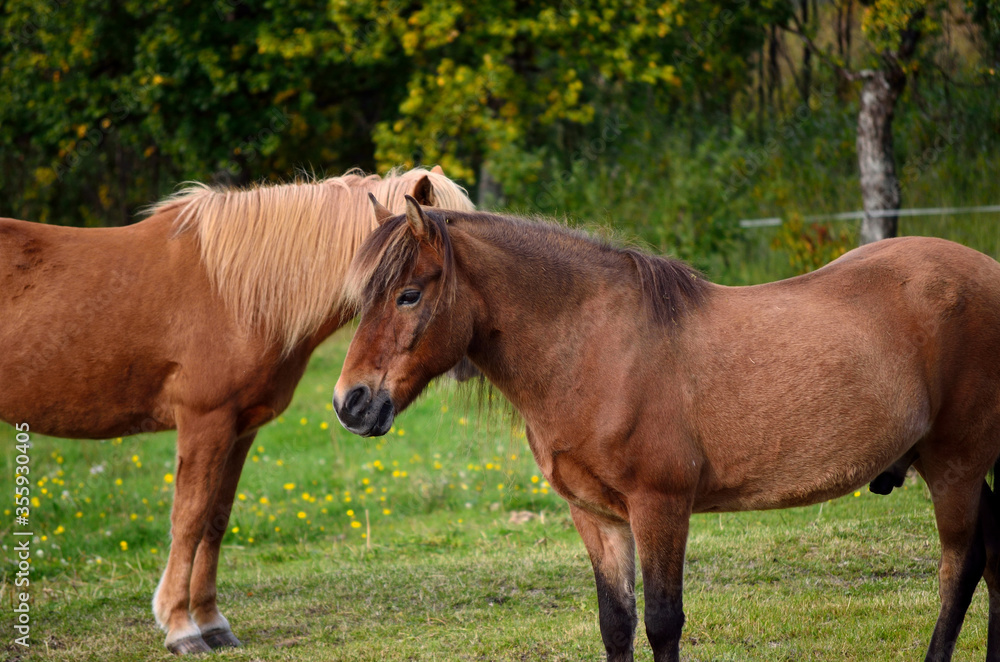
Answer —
189 646
221 639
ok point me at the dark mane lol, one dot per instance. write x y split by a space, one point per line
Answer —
388 255
669 287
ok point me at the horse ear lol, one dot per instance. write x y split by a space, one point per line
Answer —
415 218
437 170
423 192
381 213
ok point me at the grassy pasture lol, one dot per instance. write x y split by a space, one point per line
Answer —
408 548
438 570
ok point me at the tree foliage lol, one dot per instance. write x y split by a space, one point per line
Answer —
105 106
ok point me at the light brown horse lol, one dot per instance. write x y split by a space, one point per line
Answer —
202 318
650 394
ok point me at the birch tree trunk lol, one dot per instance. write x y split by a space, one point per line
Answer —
880 191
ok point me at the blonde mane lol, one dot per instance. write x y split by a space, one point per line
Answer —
278 254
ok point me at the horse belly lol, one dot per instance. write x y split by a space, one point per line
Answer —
80 353
830 443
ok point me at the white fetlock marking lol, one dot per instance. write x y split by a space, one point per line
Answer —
217 622
158 612
189 630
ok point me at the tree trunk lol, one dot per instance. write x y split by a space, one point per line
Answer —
490 191
806 57
876 161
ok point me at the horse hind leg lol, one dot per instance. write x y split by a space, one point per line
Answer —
989 511
215 628
956 492
203 445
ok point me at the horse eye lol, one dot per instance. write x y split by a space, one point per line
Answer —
408 298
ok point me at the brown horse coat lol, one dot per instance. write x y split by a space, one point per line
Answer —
201 318
649 393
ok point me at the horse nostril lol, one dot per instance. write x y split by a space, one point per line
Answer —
357 400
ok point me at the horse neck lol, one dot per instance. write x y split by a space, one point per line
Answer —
546 315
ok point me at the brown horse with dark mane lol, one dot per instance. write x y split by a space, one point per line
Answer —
649 393
202 318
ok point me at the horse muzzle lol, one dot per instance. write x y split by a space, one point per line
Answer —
363 413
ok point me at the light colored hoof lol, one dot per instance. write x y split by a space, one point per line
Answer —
221 638
189 646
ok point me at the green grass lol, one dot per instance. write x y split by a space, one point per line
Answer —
446 574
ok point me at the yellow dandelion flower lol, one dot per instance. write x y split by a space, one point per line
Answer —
350 513
329 406
347 499
857 494
534 479
500 486
328 497
289 486
304 420
386 511
168 478
364 481
133 517
35 502
264 501
236 529
153 550
79 514
118 481
123 545
249 539
301 515
324 426
280 463
241 496
60 530
444 409
355 524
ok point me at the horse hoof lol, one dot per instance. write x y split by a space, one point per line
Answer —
221 639
189 646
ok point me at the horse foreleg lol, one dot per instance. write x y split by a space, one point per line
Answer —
660 526
203 445
215 629
963 554
612 553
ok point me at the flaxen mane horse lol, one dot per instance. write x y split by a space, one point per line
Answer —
201 318
649 393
